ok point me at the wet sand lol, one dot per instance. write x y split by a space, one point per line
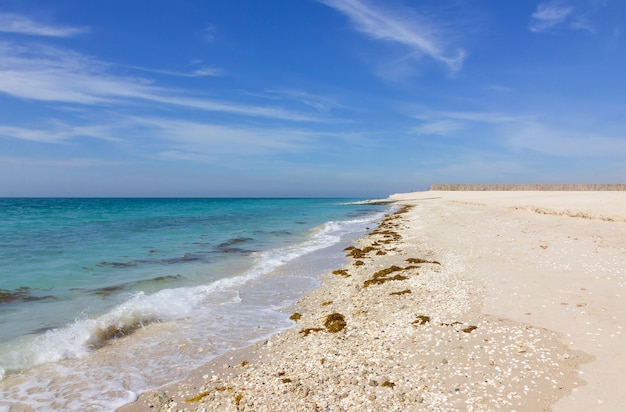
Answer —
469 301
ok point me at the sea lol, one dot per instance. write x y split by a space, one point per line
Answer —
102 299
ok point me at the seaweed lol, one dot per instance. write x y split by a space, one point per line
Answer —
328 302
198 397
381 276
421 320
388 384
244 363
388 235
21 294
237 399
308 331
204 394
359 263
385 272
341 272
286 380
418 261
296 316
402 292
469 329
359 253
335 322
381 280
451 324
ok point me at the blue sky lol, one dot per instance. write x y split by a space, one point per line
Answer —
308 98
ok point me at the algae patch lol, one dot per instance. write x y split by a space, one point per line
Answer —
308 331
421 320
295 317
341 272
335 322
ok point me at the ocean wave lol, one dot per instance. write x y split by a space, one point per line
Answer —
85 335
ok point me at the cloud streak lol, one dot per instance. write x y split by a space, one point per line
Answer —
15 23
44 73
383 24
553 14
523 133
549 15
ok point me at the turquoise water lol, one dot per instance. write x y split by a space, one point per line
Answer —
93 289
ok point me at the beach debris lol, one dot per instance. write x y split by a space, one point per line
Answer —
381 280
244 363
381 276
295 317
387 384
237 399
204 394
402 292
469 329
341 272
421 320
357 253
328 302
159 400
418 261
335 322
359 263
308 331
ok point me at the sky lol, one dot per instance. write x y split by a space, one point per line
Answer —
299 98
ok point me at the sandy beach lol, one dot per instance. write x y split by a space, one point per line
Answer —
468 301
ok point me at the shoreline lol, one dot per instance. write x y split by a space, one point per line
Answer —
485 302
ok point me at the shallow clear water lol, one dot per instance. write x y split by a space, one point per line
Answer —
103 298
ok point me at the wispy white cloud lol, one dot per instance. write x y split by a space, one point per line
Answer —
548 15
558 141
15 23
555 14
523 133
320 103
46 73
194 140
72 162
58 132
201 72
384 24
446 127
452 124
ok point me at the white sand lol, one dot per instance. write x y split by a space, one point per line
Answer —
540 275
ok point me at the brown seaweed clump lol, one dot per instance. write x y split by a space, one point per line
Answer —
402 292
237 399
341 272
296 316
381 280
469 329
418 261
357 253
308 331
381 276
335 322
421 320
388 384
